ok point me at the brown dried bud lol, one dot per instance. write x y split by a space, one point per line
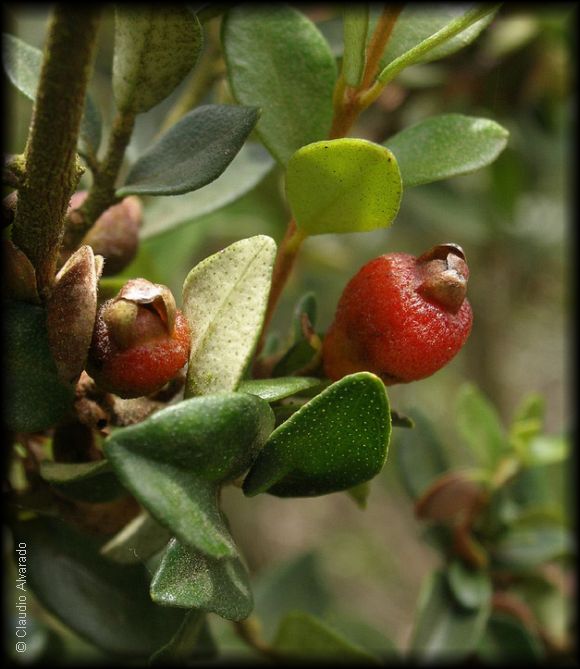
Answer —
19 274
445 276
115 234
71 311
450 495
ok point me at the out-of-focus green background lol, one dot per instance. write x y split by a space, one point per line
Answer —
513 221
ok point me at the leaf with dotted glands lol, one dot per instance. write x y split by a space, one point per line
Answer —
334 442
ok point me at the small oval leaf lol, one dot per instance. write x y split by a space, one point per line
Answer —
139 540
471 587
155 47
193 152
278 60
446 146
192 580
224 301
343 185
355 28
273 390
336 441
87 481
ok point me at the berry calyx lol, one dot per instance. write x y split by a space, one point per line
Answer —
401 317
140 340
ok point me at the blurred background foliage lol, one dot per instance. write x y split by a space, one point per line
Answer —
511 218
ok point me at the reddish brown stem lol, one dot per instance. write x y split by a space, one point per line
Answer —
376 46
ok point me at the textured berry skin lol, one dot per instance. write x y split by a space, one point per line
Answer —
146 365
388 323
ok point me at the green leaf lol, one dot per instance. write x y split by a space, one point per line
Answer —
22 64
360 493
273 390
337 440
277 60
446 146
297 584
546 450
36 399
443 629
105 603
224 301
479 425
193 152
471 587
343 185
356 24
155 47
506 640
87 481
415 24
529 547
306 306
245 171
192 641
215 437
419 455
137 541
189 579
303 637
302 354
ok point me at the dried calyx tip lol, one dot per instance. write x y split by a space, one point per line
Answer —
445 275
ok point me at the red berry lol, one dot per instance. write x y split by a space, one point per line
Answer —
140 341
401 317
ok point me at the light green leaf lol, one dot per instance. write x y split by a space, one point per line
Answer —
277 60
155 47
528 547
273 390
360 493
303 637
546 450
87 481
189 579
36 399
22 64
96 598
444 630
416 23
343 185
224 301
471 587
479 425
193 152
446 146
192 641
137 541
247 169
419 455
334 442
356 24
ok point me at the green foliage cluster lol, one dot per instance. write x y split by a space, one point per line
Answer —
255 411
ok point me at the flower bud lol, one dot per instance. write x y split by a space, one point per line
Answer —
140 341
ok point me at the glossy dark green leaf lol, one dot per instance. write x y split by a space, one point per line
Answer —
88 481
304 637
444 630
34 397
105 603
479 424
337 440
179 500
214 437
137 541
272 390
189 579
224 301
343 185
446 146
193 152
246 170
416 23
506 640
529 547
22 64
297 584
419 455
192 641
356 24
155 47
471 587
278 61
